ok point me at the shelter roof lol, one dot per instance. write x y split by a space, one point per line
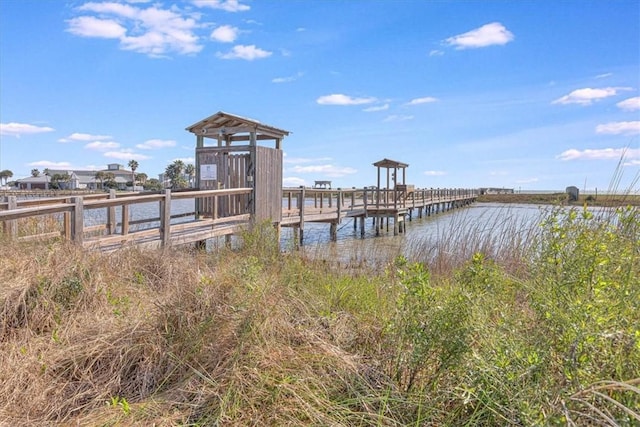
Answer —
387 163
222 123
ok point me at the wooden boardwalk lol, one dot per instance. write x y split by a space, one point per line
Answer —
65 216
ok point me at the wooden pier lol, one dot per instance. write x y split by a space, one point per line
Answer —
239 181
65 217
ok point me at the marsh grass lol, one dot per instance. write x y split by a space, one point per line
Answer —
507 324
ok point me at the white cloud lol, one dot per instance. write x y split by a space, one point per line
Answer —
587 96
293 181
18 129
599 154
126 155
340 99
487 35
425 100
619 128
88 26
604 76
327 170
226 5
102 145
50 165
248 53
435 173
287 79
436 52
84 137
377 108
631 104
154 144
153 31
225 34
397 118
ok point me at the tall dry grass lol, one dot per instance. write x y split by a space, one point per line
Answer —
547 334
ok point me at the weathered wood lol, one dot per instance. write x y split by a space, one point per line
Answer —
111 214
11 227
77 220
165 219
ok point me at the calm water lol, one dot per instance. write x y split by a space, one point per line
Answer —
492 227
461 231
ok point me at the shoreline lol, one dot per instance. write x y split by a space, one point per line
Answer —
561 199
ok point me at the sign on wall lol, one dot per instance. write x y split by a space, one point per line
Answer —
208 172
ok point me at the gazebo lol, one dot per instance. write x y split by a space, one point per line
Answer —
395 185
237 161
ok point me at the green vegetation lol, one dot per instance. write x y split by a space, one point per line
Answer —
563 199
547 333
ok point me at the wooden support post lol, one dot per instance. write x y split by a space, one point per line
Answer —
111 215
11 226
165 219
395 225
339 201
66 222
333 231
77 221
362 226
125 220
301 209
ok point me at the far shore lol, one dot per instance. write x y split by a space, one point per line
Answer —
562 199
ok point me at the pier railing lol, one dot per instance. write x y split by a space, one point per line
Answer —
66 216
28 219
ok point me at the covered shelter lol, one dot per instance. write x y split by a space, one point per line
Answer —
228 155
396 186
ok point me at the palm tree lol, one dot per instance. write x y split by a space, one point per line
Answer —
191 171
35 172
174 173
133 165
141 178
5 175
100 176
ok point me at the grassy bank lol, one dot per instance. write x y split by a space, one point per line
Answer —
561 199
548 333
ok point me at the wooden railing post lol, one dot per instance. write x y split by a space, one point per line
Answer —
111 215
11 226
301 208
165 219
77 220
339 203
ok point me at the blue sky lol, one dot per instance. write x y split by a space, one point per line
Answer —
531 95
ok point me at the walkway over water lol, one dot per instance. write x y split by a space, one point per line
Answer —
228 213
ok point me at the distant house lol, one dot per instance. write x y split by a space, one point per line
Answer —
77 179
40 182
493 190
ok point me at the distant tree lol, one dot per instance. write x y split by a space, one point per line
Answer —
141 177
110 180
46 171
152 184
5 175
190 170
60 181
175 174
100 176
133 165
35 172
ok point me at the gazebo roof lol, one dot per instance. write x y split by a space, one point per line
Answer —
387 163
229 125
